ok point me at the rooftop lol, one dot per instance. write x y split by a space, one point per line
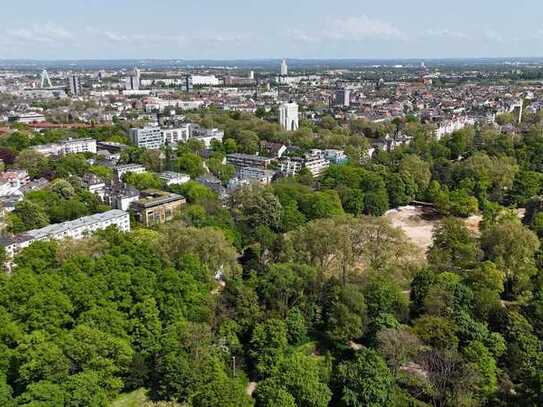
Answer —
153 197
60 228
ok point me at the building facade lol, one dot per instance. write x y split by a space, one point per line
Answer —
122 169
150 138
74 85
70 146
288 116
74 229
248 160
156 207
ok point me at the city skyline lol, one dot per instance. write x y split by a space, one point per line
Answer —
211 29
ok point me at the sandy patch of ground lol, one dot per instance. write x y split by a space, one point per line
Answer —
417 222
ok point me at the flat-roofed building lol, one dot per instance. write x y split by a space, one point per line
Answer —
155 207
73 229
174 178
150 138
248 160
259 175
122 169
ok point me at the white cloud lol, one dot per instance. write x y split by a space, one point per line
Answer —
349 29
45 34
445 33
361 28
493 35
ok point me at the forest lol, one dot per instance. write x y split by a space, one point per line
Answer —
300 291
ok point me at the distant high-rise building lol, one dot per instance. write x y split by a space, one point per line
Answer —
284 68
343 96
288 116
45 82
133 81
74 85
251 75
187 85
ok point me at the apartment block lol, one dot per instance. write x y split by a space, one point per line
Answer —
74 229
248 160
155 207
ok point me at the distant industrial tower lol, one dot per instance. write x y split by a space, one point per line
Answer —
288 116
45 81
74 85
284 68
343 96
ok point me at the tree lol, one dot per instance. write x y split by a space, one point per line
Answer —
144 180
454 248
511 246
437 332
345 313
255 206
284 286
27 215
32 161
268 345
304 377
398 345
62 188
191 164
270 393
323 204
415 170
208 245
222 171
365 381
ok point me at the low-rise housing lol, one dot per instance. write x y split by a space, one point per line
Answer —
120 196
259 175
70 146
174 178
248 160
122 169
155 207
26 118
74 229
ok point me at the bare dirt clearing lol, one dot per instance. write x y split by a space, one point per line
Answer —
417 222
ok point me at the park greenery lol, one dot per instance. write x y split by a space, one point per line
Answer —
301 287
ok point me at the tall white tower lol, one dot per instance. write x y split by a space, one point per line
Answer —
288 116
284 68
45 81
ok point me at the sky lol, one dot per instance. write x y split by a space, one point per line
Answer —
254 29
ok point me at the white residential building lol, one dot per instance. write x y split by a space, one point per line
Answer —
260 175
288 116
74 229
174 178
452 125
316 164
176 136
27 118
291 166
70 146
150 138
205 80
206 136
122 169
